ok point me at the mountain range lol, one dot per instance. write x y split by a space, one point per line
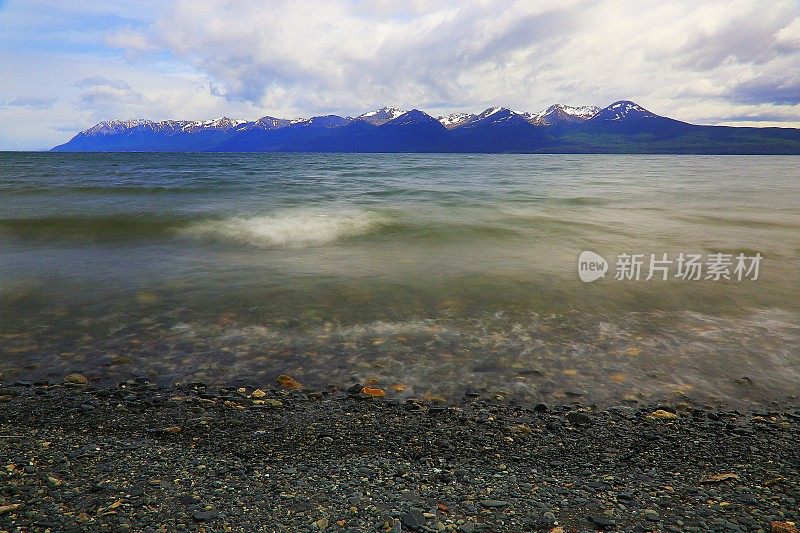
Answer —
622 127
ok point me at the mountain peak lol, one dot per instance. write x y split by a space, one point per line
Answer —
415 116
493 114
381 116
221 124
491 111
455 120
624 110
562 114
324 121
271 123
110 127
497 116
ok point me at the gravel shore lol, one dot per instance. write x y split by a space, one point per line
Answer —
140 457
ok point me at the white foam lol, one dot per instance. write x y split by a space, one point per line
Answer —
381 328
287 228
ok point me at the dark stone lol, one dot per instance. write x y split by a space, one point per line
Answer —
577 418
411 405
202 516
495 504
414 519
747 499
652 515
603 522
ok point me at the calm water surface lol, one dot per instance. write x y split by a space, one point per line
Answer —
428 274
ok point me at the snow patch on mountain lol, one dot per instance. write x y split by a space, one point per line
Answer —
415 116
271 123
454 120
326 121
497 116
624 110
457 120
110 127
560 114
491 111
221 123
381 116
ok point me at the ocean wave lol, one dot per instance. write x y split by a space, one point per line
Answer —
304 227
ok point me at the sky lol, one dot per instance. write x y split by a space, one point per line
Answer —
65 66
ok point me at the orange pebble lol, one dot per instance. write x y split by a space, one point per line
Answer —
373 391
288 382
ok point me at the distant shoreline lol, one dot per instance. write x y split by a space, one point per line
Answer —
622 127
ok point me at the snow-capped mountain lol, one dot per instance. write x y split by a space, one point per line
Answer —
409 118
272 123
622 127
381 116
455 120
458 120
110 127
220 124
491 111
493 115
377 118
561 114
624 110
326 121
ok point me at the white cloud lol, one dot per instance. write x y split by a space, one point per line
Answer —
312 56
32 102
789 35
129 39
102 81
710 61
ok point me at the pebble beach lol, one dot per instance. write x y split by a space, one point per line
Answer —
144 457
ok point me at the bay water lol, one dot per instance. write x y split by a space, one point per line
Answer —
426 275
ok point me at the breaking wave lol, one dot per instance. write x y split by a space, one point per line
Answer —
289 228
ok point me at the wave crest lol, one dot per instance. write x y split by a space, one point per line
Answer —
290 228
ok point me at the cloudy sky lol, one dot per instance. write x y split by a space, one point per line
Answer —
67 65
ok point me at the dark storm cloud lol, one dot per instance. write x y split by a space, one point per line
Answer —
780 91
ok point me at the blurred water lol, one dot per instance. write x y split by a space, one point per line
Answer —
434 272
